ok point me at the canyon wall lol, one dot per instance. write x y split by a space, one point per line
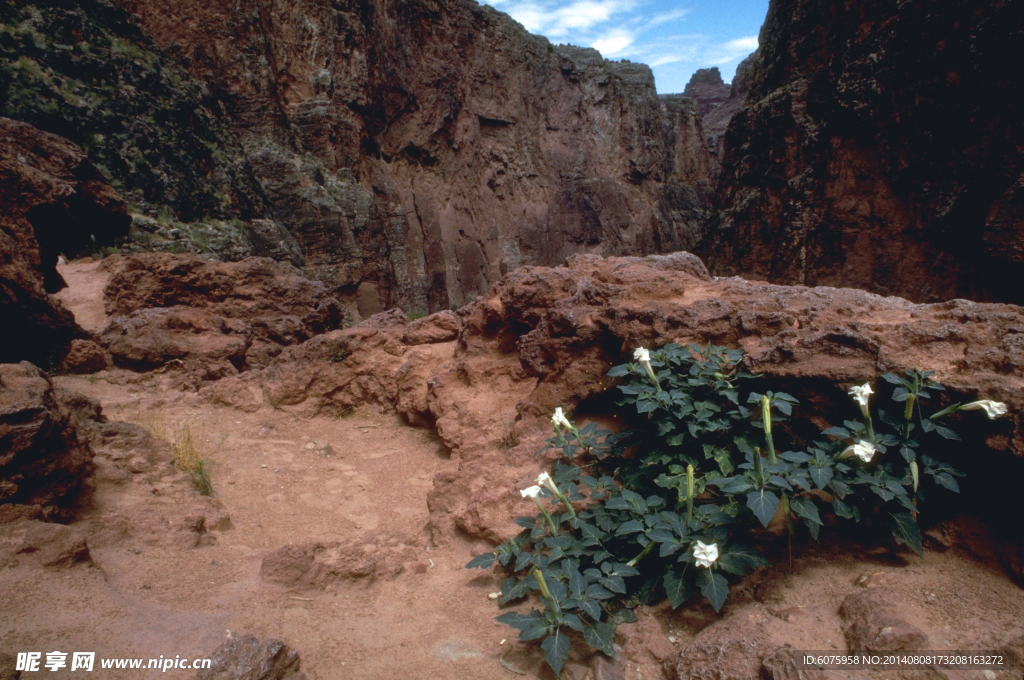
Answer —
882 148
420 149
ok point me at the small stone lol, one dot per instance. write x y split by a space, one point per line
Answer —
672 639
494 596
264 465
989 675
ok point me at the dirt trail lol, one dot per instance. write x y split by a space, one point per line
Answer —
84 294
434 619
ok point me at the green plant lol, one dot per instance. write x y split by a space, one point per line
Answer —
661 510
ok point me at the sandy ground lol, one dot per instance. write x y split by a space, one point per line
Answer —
434 620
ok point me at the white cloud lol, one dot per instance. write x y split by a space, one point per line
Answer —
726 52
613 44
665 17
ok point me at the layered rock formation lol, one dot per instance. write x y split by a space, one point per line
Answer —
52 200
210 318
44 463
880 149
717 103
419 151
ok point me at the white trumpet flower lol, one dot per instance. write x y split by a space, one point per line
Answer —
861 394
643 357
544 479
993 409
862 449
705 554
532 492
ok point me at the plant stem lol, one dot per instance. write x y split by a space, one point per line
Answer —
547 517
643 554
689 493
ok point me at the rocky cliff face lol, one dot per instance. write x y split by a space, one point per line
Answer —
52 200
418 150
881 149
717 103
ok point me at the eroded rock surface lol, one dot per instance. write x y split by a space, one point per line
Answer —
546 337
43 463
210 318
53 200
430 148
880 148
874 625
249 658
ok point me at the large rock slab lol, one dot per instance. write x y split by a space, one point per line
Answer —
211 318
42 460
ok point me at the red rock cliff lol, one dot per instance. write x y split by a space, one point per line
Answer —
419 149
880 148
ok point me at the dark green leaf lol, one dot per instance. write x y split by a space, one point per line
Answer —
616 584
842 509
946 480
784 407
630 527
601 636
513 589
619 371
677 588
517 620
535 630
838 432
526 522
591 607
486 560
733 485
747 556
598 592
795 456
714 586
573 622
804 507
731 564
820 475
556 649
763 503
906 531
947 433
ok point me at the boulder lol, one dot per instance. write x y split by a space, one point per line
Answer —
210 318
872 623
249 658
43 460
84 356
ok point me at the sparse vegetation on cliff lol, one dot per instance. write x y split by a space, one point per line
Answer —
86 72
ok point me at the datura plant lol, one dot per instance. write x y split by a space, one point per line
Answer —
659 511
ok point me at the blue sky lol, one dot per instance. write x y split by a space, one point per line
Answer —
675 38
